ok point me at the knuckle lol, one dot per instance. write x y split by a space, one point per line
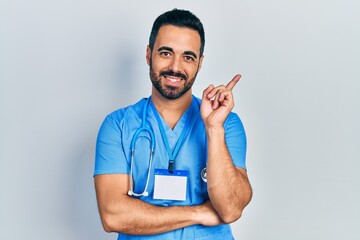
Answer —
220 87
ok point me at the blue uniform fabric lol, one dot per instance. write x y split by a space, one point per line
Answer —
113 155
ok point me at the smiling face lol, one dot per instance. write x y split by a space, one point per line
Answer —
174 61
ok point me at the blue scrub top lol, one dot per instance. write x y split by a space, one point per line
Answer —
113 155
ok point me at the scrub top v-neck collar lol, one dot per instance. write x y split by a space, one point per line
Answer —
174 134
172 151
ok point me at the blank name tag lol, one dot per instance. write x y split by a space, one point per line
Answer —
170 186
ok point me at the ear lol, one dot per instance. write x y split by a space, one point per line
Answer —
148 54
200 62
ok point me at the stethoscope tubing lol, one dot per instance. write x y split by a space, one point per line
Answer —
143 128
133 146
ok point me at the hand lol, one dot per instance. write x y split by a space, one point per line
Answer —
217 103
208 215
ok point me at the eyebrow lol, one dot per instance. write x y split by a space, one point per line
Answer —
191 53
166 49
172 50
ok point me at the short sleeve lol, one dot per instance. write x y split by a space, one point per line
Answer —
235 138
109 156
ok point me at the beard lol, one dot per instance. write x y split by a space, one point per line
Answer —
170 92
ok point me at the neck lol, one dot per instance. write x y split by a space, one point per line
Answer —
171 110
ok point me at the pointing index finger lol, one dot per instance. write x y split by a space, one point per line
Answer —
233 82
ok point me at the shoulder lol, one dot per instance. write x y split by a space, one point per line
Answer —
233 125
233 118
116 117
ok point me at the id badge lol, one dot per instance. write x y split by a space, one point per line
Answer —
170 186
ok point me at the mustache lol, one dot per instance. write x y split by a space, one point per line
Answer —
173 74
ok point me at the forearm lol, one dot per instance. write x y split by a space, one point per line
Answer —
122 213
133 216
229 189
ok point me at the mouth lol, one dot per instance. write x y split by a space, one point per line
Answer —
173 79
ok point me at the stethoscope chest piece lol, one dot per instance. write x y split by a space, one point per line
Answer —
203 174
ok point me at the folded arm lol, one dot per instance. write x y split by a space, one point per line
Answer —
122 213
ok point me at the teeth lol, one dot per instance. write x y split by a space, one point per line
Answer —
174 80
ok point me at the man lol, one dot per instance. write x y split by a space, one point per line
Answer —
186 178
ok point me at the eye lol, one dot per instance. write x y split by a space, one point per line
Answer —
165 54
189 58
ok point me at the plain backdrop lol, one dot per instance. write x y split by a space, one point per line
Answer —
65 64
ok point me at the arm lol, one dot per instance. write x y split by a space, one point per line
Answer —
228 186
121 213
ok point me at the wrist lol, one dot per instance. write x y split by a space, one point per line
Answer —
195 214
211 130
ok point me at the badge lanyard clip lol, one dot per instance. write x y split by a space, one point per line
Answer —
171 166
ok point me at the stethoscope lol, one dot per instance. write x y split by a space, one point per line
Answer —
134 140
203 174
133 145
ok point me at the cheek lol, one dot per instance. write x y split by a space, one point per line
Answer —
192 70
158 65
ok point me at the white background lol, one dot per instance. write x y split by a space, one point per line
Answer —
65 64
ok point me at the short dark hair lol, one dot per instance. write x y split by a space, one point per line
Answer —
179 18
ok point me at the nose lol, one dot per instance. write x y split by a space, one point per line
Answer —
176 65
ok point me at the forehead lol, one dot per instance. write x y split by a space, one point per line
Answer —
178 38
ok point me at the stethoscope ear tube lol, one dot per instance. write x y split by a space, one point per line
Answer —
136 136
133 146
145 193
